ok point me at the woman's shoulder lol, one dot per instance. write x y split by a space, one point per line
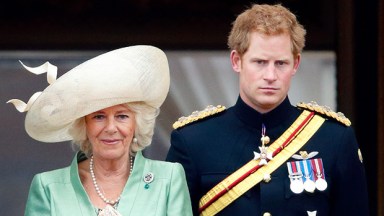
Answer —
162 164
60 175
163 168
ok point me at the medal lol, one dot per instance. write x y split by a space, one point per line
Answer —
309 185
264 155
321 184
297 186
313 172
296 178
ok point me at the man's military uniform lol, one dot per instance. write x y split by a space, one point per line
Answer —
215 146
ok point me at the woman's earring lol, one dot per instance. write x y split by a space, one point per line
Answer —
134 140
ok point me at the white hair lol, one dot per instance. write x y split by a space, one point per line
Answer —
145 117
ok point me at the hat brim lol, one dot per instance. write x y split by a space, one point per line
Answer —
130 74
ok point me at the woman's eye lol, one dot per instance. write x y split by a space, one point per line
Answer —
123 117
98 117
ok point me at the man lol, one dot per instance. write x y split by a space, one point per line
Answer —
264 156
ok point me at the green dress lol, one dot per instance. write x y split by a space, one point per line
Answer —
60 192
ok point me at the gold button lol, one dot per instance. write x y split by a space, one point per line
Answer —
267 178
267 214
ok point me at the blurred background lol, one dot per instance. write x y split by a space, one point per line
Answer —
342 67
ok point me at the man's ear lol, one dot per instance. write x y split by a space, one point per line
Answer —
296 64
235 61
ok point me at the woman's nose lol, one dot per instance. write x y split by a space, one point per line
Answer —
111 126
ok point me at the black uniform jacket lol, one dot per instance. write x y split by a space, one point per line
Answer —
214 147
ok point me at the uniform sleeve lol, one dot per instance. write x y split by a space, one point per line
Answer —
179 202
349 193
179 152
37 202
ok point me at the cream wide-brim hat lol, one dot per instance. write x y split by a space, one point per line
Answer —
130 74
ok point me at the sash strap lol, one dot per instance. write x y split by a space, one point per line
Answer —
252 173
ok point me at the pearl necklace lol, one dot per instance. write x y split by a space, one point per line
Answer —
101 195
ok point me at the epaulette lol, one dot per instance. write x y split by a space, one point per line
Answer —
325 110
196 115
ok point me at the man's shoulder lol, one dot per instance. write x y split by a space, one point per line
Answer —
325 112
210 112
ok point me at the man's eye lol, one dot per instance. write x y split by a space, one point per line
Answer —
280 63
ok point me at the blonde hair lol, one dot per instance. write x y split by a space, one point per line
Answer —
145 117
268 20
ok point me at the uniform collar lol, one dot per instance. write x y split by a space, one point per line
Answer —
271 119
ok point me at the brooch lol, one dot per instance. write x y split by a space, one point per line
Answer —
148 178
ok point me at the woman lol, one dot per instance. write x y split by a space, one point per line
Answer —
107 106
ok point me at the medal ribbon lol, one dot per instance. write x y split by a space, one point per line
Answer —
307 170
317 165
290 168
